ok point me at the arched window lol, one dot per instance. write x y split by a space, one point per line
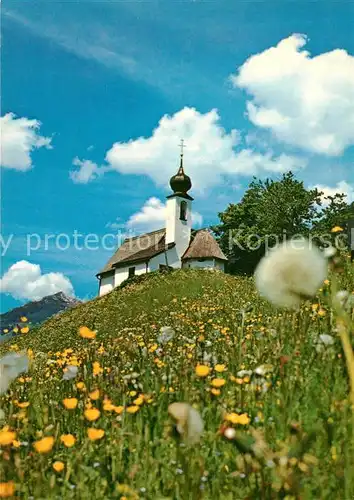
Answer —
183 210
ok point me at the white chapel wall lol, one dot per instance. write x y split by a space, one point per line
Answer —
122 273
178 231
196 264
106 284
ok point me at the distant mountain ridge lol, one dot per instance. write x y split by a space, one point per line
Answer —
38 311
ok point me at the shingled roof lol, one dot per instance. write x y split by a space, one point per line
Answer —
137 249
202 246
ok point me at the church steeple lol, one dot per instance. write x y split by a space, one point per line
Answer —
179 210
181 183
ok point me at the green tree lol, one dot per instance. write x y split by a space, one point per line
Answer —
270 211
335 212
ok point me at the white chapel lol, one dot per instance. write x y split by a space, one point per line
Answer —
176 245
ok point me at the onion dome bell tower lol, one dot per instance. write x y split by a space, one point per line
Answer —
181 183
179 210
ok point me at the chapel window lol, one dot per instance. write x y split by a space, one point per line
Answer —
183 210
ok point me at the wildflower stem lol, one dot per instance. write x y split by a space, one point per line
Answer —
343 328
348 352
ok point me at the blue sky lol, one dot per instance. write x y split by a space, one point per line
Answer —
99 73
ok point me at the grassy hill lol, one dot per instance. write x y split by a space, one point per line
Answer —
271 394
156 298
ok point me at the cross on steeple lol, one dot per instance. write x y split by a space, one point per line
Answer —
182 146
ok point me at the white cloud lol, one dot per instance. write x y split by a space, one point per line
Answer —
209 151
19 137
24 280
305 101
342 187
150 217
88 170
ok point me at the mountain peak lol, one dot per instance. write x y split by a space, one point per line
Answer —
38 311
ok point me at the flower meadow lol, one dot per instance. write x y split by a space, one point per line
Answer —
186 385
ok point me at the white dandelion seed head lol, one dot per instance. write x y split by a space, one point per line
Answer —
189 422
166 334
263 369
70 372
342 296
209 358
324 341
11 365
291 272
230 433
244 373
329 252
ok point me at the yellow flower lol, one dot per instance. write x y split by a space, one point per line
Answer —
220 368
218 382
336 229
119 409
6 330
139 401
216 392
108 406
202 370
234 418
81 386
25 329
92 414
68 440
321 313
133 409
127 492
7 437
7 489
153 348
58 466
70 403
86 333
23 319
94 394
44 445
97 370
95 434
15 330
25 404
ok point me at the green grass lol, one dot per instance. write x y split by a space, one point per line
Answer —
298 443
